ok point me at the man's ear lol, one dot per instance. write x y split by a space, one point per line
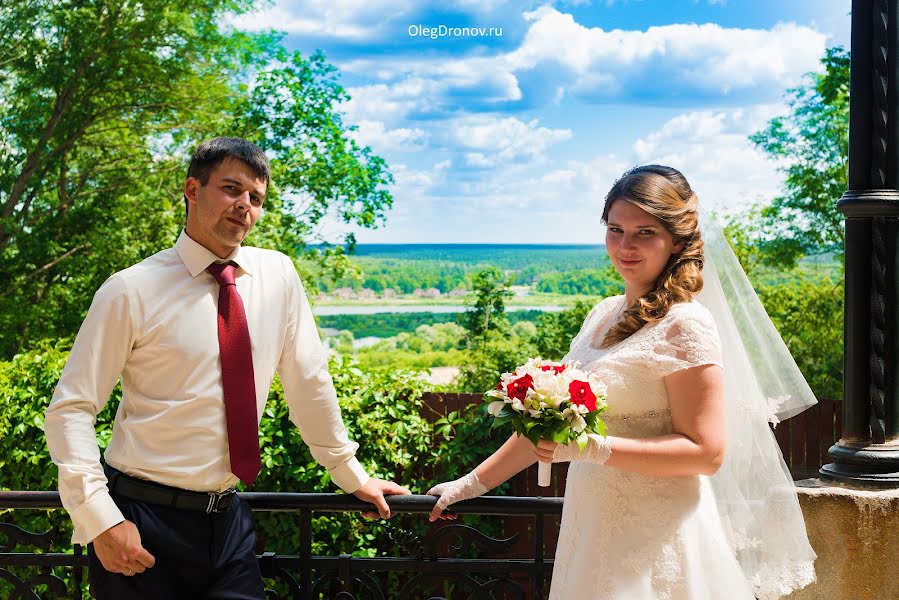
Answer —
190 189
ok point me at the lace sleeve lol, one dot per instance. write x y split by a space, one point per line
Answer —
688 338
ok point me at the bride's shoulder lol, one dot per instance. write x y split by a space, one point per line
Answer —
608 301
605 305
689 312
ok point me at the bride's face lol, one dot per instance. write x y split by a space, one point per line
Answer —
638 245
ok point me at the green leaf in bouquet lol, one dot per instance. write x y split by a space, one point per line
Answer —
582 441
534 435
501 420
518 426
559 433
507 411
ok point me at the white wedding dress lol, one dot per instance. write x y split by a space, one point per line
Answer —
626 536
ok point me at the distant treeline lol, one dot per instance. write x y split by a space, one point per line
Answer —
572 270
390 324
406 268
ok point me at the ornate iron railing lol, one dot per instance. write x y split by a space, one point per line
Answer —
426 571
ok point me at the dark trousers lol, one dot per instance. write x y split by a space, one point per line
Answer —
198 555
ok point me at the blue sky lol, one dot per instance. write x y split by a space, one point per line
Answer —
514 135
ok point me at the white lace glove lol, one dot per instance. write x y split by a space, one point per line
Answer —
450 492
598 450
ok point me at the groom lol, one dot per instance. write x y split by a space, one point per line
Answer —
196 333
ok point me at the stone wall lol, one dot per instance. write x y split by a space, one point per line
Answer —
855 533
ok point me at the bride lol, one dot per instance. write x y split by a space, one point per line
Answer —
687 497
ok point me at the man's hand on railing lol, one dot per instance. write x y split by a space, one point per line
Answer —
120 551
374 491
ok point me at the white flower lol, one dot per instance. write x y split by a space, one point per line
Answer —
579 424
517 405
494 408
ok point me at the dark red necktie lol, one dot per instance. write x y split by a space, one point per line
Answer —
237 376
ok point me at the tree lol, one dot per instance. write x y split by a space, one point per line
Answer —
101 102
491 288
813 140
555 330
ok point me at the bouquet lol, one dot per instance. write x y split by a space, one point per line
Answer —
550 400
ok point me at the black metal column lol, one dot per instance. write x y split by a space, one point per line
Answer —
868 451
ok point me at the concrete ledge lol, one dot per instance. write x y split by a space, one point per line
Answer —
855 532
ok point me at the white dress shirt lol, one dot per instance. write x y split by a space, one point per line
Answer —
155 326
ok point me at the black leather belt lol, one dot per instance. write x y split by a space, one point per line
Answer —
163 495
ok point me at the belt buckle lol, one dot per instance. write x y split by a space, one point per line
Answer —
215 501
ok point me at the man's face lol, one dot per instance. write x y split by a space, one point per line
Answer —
222 212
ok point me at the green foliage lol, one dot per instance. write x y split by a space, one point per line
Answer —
525 330
378 357
466 439
555 330
492 355
813 139
809 316
428 346
406 268
594 282
27 382
488 314
405 275
101 103
382 410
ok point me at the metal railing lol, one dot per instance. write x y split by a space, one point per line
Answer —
425 566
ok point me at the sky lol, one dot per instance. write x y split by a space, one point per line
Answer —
507 122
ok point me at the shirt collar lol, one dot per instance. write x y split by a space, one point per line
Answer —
197 257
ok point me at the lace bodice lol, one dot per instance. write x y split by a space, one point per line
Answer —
634 369
634 536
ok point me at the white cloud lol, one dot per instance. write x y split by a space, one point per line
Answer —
495 140
350 20
440 81
558 58
382 102
713 150
668 62
381 139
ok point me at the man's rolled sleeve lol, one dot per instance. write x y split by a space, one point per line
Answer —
310 395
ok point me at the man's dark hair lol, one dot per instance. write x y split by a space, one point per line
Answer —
211 153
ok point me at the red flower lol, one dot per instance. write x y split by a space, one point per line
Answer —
556 369
519 388
581 394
